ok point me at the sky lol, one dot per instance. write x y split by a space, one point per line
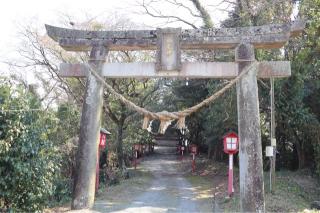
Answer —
17 13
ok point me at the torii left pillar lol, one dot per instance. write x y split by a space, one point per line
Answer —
250 151
85 177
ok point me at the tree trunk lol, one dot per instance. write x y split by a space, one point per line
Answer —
218 154
120 144
210 150
206 18
300 154
300 151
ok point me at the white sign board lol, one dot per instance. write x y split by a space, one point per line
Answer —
269 151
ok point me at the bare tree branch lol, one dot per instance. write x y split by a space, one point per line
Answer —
160 15
176 3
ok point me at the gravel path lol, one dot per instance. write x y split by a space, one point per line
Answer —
169 190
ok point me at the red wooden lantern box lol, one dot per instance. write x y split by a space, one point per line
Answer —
136 147
230 143
103 138
194 149
102 145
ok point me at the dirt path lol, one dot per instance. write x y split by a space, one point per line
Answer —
162 183
168 190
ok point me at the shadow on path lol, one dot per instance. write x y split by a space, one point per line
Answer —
168 191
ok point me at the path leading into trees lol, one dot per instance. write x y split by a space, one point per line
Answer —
168 190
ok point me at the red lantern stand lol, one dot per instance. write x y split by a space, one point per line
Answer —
136 148
149 147
179 149
143 149
182 150
230 146
194 151
102 146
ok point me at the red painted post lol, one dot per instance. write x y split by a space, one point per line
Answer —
182 149
136 148
193 162
194 150
135 159
143 149
230 178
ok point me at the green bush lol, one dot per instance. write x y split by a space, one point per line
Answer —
27 156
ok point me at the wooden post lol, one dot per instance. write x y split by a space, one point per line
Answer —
193 162
230 176
250 151
273 135
85 176
135 159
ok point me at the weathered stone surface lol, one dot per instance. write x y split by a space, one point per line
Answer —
267 36
275 69
168 49
266 69
250 147
85 177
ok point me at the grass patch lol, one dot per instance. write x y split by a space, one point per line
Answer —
287 196
293 192
115 196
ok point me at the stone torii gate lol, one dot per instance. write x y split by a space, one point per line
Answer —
168 43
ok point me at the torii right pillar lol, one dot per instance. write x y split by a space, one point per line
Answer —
250 150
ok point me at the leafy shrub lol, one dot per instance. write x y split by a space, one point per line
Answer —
27 156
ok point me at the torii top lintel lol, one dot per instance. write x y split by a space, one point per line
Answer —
266 36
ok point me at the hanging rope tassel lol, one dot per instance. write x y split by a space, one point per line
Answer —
164 124
145 124
181 123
